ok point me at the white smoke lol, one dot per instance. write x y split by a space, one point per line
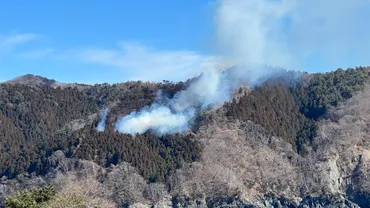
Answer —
159 118
211 88
242 29
294 34
253 33
103 118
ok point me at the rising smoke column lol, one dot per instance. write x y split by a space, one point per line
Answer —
245 30
103 118
255 32
209 89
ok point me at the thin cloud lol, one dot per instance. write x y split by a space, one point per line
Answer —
10 43
145 63
37 54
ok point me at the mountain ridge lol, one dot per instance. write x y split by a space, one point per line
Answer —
32 80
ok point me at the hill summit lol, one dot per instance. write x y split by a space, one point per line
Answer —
32 80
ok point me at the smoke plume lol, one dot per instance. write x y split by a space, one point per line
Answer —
103 118
174 115
159 118
210 89
248 44
306 34
252 33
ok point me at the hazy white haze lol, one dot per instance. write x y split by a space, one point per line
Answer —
250 31
293 34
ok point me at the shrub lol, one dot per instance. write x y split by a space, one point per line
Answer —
68 199
33 198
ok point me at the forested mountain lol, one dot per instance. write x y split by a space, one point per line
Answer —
288 141
39 121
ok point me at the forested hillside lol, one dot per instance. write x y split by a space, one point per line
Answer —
38 121
289 107
278 123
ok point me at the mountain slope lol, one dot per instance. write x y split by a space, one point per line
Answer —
39 121
296 139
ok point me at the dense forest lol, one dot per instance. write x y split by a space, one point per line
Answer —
290 107
274 137
39 120
155 157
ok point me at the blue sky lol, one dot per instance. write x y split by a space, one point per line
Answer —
62 26
114 41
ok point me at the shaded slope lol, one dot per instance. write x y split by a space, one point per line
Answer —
37 121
